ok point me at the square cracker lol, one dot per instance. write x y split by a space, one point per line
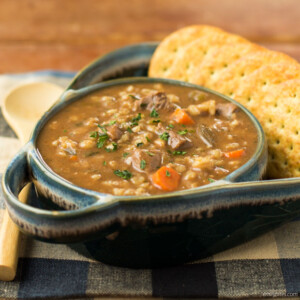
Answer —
169 48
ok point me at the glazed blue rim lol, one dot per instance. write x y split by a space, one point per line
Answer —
70 96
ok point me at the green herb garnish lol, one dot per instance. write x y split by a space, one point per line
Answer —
135 120
143 164
182 132
65 130
112 122
123 174
139 144
149 153
114 148
155 121
154 113
94 134
170 126
102 127
179 152
168 173
210 180
104 163
148 139
164 136
129 130
102 138
125 154
134 97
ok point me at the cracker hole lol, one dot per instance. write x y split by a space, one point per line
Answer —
282 126
225 65
270 120
277 142
212 72
296 132
230 93
289 110
275 104
165 69
187 66
273 156
249 99
295 95
242 74
264 83
291 147
175 49
204 52
285 162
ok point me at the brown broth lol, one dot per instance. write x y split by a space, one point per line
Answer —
68 142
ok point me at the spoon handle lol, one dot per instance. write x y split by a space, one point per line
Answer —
9 242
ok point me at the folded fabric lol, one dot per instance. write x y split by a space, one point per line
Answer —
268 266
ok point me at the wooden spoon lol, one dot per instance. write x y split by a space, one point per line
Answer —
22 108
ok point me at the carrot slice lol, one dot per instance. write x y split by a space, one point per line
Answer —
166 179
234 154
182 117
73 157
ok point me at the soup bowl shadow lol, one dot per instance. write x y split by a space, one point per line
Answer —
145 231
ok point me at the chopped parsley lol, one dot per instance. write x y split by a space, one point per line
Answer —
94 134
143 105
134 97
143 164
148 139
154 113
149 153
155 121
112 122
102 127
182 132
179 152
129 129
123 174
164 136
170 126
125 154
210 180
104 163
135 120
168 173
139 144
114 148
65 130
102 138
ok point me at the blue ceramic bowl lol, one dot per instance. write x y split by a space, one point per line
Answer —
146 231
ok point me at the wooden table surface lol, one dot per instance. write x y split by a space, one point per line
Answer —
68 34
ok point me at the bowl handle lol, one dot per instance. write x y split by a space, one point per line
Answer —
17 174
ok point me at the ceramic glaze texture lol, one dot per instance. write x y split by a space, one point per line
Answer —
147 231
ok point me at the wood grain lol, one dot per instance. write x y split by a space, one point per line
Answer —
68 34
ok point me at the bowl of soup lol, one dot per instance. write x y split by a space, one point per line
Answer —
147 172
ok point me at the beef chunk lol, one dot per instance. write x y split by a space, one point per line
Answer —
226 109
206 134
157 101
152 160
114 132
178 142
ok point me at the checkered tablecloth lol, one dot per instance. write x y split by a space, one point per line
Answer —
268 266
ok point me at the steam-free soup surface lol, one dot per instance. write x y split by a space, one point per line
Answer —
147 139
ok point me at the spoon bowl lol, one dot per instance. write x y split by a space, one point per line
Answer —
24 105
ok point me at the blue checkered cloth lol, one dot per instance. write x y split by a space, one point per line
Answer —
268 266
